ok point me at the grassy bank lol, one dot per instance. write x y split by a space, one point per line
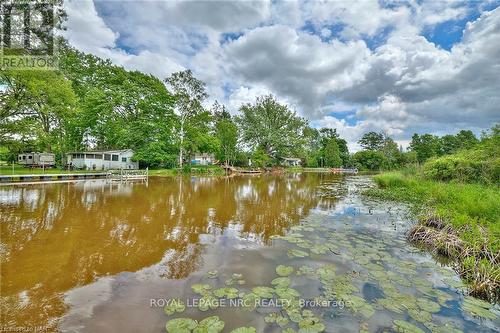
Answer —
457 220
209 170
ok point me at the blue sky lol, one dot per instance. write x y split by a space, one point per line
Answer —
393 66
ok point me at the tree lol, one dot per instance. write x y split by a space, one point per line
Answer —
271 126
369 160
37 106
328 134
372 141
226 132
189 93
332 154
425 146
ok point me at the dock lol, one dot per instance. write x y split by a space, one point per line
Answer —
114 175
231 169
51 177
128 175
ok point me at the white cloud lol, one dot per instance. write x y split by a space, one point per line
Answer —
245 49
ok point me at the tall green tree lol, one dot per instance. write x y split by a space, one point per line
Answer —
372 141
189 93
332 154
37 106
425 146
226 132
271 126
119 109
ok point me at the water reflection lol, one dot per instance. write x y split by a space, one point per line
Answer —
55 237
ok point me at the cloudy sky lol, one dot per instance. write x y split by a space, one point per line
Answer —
395 66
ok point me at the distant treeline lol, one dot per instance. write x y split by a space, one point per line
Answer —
89 103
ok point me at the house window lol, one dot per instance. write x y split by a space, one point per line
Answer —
98 156
124 159
107 157
89 156
115 157
30 157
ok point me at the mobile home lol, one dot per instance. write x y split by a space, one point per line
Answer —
102 160
37 159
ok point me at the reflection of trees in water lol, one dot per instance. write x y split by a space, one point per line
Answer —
59 236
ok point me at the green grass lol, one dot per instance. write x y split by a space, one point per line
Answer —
470 211
195 170
163 172
466 207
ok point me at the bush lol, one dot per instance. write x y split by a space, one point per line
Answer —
467 166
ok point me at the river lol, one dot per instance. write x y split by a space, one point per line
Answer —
98 256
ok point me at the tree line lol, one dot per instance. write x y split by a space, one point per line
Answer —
89 103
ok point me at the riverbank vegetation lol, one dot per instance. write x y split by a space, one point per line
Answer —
455 199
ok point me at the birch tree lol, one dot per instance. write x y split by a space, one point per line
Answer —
189 93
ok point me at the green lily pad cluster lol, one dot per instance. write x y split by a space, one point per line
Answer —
236 278
226 292
212 274
405 327
174 306
187 325
282 270
478 308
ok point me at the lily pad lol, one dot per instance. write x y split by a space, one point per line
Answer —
201 289
283 270
478 308
428 305
281 282
226 292
297 253
244 330
212 274
311 325
405 327
263 292
211 324
208 302
175 305
181 325
420 315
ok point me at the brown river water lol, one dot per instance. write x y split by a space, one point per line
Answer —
98 256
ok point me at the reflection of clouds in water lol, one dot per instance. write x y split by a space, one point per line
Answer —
82 301
82 231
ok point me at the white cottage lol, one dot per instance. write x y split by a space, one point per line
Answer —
102 160
202 159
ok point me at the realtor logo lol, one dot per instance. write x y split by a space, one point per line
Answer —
27 35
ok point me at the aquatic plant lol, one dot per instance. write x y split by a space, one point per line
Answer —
181 325
226 292
282 270
263 292
209 325
201 289
281 282
244 330
405 327
212 274
174 306
297 253
477 307
428 305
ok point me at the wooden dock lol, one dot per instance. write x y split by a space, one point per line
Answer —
128 175
51 177
231 169
114 175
